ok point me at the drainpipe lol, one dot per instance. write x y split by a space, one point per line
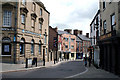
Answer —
15 33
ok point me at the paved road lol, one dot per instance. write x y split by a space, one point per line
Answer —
61 71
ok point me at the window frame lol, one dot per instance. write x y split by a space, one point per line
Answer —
7 21
113 26
104 27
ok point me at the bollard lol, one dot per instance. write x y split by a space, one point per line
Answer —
43 62
26 63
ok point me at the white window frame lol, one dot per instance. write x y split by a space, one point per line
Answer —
7 18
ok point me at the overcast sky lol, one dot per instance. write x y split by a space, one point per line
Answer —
71 14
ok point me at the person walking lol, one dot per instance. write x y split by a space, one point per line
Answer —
89 61
85 60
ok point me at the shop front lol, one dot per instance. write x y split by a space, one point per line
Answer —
109 45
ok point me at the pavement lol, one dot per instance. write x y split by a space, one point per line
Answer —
93 72
9 67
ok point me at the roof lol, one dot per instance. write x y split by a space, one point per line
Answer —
62 32
78 39
83 37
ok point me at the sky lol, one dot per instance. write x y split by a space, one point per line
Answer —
71 14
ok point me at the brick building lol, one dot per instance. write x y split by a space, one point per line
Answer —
66 45
85 41
24 31
53 43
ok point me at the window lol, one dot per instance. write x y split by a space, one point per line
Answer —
72 54
40 12
7 18
32 47
40 26
91 28
66 39
72 47
72 40
33 23
24 2
46 50
23 19
104 26
104 4
39 47
33 7
113 23
45 39
66 46
22 47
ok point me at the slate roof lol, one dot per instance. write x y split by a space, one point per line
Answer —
62 32
78 39
83 37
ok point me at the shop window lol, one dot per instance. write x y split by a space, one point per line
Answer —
72 54
7 18
6 46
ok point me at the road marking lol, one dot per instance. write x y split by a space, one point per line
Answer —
78 74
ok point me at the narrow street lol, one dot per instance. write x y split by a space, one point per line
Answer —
63 70
67 70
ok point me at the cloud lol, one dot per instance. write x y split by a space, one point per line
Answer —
71 13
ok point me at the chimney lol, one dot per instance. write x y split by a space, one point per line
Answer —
80 32
87 35
68 30
76 32
56 29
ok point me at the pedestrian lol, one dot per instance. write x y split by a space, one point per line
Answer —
85 60
89 61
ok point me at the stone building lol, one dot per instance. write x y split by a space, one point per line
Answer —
25 28
109 40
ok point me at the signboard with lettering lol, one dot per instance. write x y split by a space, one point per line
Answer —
105 36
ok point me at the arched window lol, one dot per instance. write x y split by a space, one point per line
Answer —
22 46
32 47
6 46
39 47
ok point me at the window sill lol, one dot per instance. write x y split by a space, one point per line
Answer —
6 55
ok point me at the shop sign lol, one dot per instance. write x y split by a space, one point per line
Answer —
105 36
29 32
7 29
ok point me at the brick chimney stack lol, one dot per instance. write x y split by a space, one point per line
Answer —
87 35
76 32
80 32
56 29
68 30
